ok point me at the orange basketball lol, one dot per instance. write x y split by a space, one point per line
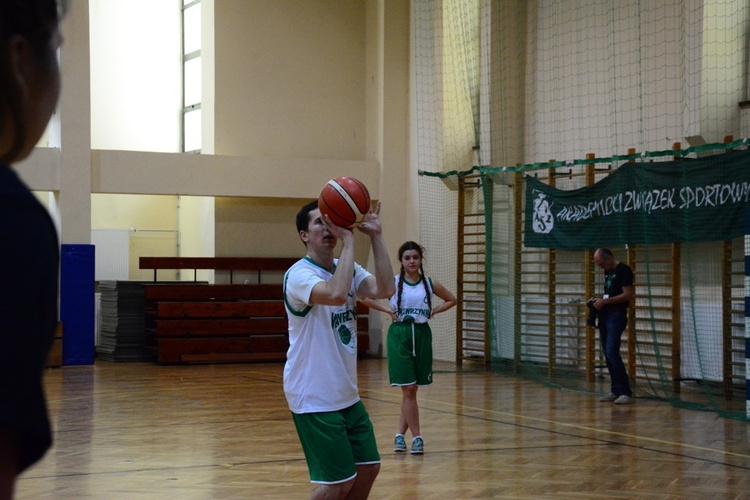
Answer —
345 200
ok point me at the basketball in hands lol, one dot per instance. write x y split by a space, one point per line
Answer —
345 200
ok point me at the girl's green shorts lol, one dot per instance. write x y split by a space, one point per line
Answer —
409 353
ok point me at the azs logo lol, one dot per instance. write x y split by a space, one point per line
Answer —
543 219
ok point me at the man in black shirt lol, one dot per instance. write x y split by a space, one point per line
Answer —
29 248
612 310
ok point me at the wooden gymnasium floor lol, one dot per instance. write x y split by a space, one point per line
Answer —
140 430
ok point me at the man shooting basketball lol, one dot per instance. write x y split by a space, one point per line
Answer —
320 376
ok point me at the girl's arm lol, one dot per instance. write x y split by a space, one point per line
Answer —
449 300
378 306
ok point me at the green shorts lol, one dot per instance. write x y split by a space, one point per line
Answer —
409 353
335 442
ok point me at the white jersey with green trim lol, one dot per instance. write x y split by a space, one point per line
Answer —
321 368
414 306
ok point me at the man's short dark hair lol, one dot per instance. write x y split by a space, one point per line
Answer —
36 21
303 216
605 252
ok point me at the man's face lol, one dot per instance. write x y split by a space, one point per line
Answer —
603 262
317 234
39 92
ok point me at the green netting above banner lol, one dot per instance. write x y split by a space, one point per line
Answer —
662 202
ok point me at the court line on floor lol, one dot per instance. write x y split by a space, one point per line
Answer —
575 426
572 426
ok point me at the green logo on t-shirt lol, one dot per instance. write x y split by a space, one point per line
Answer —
345 334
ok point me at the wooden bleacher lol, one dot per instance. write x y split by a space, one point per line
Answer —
231 264
192 322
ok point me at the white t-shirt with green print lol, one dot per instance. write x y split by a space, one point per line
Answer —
414 305
321 368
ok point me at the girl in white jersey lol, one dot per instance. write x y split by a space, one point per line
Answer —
409 341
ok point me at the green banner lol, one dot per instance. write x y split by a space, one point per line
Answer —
663 202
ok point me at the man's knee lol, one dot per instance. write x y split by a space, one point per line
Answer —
367 473
327 491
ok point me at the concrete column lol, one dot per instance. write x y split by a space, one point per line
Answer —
388 97
74 197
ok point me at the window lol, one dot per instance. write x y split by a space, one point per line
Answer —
191 76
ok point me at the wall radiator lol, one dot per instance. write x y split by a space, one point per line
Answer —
112 253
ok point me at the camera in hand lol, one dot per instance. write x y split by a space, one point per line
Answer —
593 313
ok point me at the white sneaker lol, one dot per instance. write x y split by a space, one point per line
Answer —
624 400
399 444
417 446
